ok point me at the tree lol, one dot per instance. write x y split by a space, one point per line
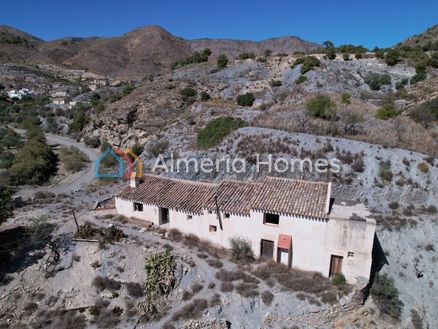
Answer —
5 204
35 162
321 106
328 44
222 61
386 295
392 57
346 57
331 53
434 60
380 53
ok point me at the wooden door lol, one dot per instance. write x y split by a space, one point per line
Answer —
267 249
335 265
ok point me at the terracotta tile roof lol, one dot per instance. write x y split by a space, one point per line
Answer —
234 197
293 197
176 194
275 195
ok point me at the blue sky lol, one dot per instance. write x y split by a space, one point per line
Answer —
370 23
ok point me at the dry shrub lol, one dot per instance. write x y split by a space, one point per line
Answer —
329 297
134 289
195 288
263 271
191 311
175 235
423 167
215 263
267 297
247 290
215 300
102 283
230 276
58 318
227 287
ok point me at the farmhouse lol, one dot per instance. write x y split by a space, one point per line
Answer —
291 221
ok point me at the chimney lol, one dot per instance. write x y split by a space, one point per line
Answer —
134 181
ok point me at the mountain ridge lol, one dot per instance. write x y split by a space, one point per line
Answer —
133 55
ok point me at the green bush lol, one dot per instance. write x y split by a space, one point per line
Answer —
92 141
385 171
434 60
246 55
5 204
392 57
245 99
321 106
377 81
188 92
339 279
204 96
214 132
6 159
35 162
196 57
241 250
346 57
222 61
346 98
387 111
301 79
331 53
308 63
72 159
276 83
386 295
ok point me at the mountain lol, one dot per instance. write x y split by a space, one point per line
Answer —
15 45
134 55
233 48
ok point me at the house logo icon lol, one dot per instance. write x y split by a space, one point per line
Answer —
117 163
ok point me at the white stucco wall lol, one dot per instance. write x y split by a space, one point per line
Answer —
313 241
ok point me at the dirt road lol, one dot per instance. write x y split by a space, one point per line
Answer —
72 182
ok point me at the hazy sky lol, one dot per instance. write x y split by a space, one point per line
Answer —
370 23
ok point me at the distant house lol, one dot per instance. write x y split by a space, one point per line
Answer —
19 93
291 221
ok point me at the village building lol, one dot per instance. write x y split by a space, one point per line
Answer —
294 222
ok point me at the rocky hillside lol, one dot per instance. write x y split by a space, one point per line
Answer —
134 55
233 48
422 39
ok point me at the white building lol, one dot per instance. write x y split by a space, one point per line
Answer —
290 221
19 93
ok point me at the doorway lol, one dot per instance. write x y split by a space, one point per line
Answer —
164 216
335 265
267 249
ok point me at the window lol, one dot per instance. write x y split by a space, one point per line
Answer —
227 215
138 206
271 219
350 254
189 217
212 228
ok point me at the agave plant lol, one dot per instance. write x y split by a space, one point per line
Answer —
160 269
